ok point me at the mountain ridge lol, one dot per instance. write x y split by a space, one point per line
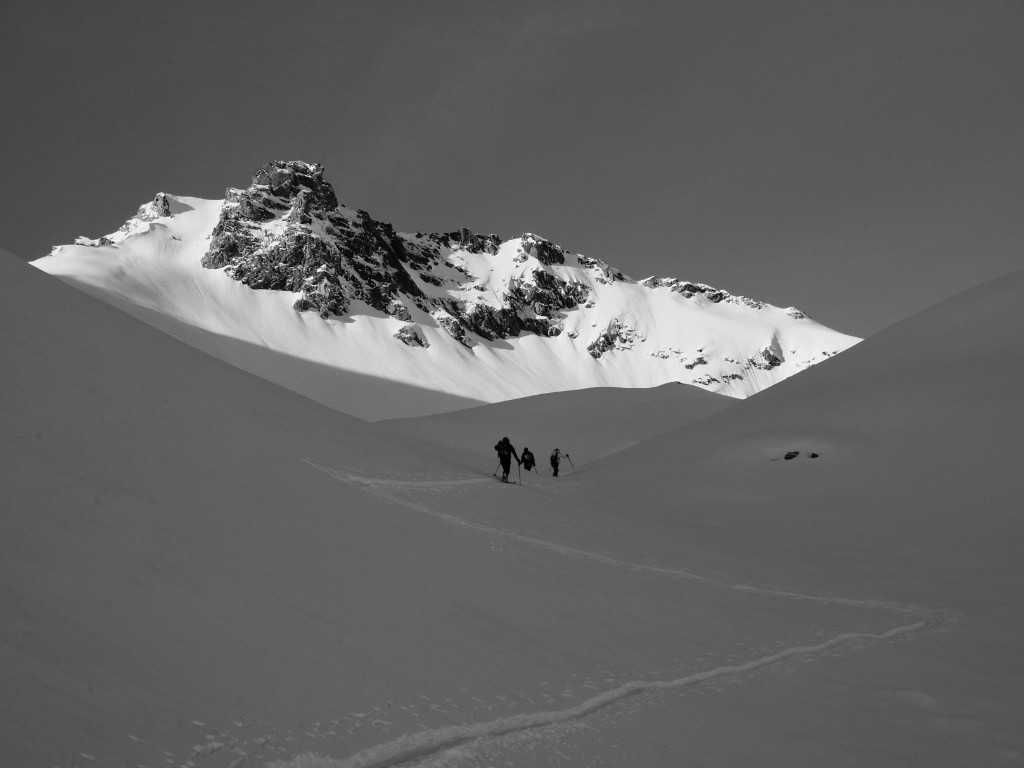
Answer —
442 309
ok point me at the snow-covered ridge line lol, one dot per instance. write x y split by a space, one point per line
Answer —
287 231
282 265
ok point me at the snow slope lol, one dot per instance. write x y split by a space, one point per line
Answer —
914 497
625 333
201 568
587 424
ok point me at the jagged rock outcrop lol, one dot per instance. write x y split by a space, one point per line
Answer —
544 251
410 335
616 336
469 241
288 232
714 295
148 213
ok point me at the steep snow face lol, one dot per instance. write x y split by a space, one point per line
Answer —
290 273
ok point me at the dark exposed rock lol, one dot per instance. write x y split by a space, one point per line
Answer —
161 206
470 241
705 380
790 455
600 345
767 360
543 250
455 329
714 295
289 179
399 311
315 248
606 273
554 292
615 336
409 334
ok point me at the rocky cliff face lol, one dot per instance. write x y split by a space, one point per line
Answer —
288 232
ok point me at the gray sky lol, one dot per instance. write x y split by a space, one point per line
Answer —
858 160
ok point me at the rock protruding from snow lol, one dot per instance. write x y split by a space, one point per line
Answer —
409 334
161 207
616 336
543 250
714 295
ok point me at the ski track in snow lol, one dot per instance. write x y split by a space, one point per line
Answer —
380 488
419 745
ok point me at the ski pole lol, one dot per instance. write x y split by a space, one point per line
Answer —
496 470
570 461
520 473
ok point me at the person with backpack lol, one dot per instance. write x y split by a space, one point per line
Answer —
528 461
556 457
505 454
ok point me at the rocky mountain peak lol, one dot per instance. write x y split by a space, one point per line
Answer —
293 179
287 231
444 301
543 250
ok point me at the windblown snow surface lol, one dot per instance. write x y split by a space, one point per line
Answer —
151 268
200 568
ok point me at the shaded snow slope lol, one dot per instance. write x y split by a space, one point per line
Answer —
201 568
913 496
917 435
893 492
156 515
587 424
468 316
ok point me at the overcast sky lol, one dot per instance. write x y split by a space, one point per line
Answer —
858 160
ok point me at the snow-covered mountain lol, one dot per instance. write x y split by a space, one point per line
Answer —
283 281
